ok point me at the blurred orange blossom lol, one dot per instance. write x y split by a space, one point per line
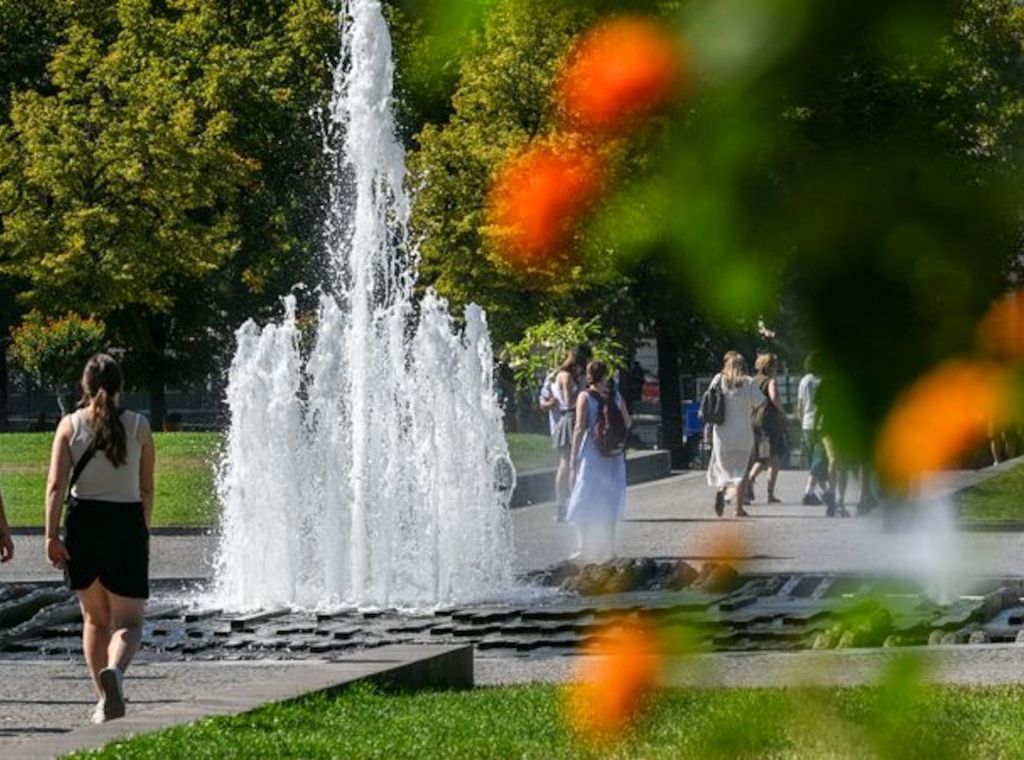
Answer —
538 197
942 416
618 71
727 544
619 672
1001 332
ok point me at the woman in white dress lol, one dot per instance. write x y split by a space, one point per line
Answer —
732 441
598 498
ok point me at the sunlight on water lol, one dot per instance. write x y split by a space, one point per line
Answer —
365 470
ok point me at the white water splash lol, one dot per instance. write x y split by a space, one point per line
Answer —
368 472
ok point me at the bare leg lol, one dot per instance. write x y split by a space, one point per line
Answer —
752 475
96 629
562 477
126 616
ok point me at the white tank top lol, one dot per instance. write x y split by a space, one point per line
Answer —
100 480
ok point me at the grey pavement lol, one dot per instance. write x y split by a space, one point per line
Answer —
43 700
983 664
674 517
46 704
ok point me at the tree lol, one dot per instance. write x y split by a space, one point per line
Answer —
54 351
545 345
502 101
164 183
27 39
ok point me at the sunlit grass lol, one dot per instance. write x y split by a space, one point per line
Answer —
184 474
996 500
526 722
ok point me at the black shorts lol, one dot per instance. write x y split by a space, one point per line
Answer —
107 540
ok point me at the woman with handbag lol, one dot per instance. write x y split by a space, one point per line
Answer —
103 459
733 438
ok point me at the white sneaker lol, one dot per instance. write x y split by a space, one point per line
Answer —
112 683
97 714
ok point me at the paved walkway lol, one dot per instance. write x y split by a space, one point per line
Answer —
986 664
46 704
673 517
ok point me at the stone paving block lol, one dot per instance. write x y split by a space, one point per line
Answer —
558 612
197 615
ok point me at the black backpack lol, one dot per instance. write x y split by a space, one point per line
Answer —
610 432
712 404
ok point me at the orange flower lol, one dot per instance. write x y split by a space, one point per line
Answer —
538 198
618 674
940 417
618 71
727 545
1002 330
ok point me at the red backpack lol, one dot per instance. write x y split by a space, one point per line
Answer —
610 432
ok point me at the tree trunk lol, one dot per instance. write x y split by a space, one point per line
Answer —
155 366
157 404
671 398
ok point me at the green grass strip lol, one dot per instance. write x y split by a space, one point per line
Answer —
999 499
185 465
896 720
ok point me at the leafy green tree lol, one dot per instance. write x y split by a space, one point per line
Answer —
54 350
545 345
27 38
502 101
163 178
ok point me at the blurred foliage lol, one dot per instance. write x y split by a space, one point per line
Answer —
545 346
500 103
860 159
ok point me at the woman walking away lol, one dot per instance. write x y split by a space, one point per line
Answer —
733 439
769 426
598 497
559 400
106 455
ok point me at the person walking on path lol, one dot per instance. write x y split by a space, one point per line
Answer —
733 439
103 458
6 540
814 457
558 399
769 426
598 498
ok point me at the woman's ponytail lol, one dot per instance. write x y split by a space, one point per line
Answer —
101 382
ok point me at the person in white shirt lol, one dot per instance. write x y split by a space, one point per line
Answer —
807 411
558 399
103 457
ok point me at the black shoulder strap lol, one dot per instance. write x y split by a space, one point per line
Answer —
80 466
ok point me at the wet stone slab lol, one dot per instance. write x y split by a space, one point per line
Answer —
776 612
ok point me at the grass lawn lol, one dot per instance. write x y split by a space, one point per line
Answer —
184 474
896 721
995 500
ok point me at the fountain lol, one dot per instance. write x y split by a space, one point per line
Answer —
362 470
